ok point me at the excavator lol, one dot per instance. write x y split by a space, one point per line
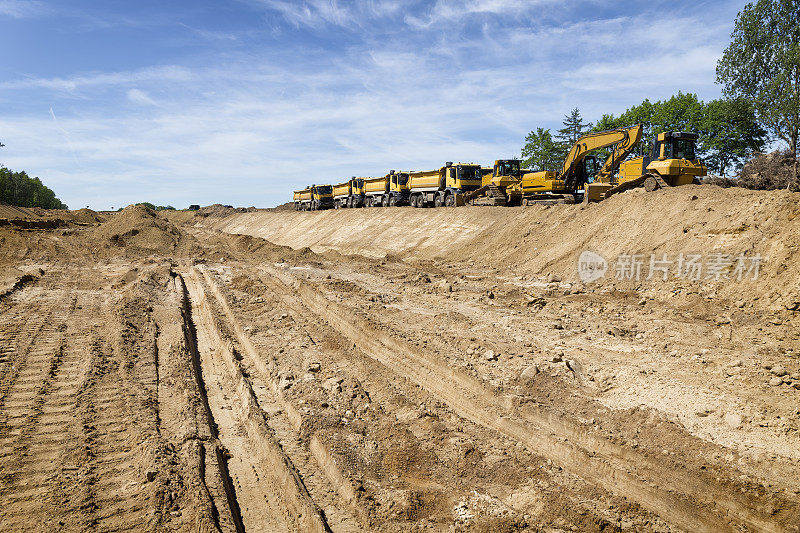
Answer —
672 162
506 184
580 167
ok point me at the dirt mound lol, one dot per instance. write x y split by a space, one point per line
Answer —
776 170
138 228
288 206
219 210
13 212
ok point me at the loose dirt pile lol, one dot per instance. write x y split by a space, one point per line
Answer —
137 229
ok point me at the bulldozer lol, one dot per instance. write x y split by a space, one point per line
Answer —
672 162
500 185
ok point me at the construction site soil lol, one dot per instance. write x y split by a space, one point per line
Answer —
401 369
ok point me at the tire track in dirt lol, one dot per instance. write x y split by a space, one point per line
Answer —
42 432
320 474
269 490
686 500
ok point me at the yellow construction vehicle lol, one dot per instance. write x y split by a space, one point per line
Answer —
500 185
376 191
672 162
445 186
317 197
399 191
302 199
580 167
349 193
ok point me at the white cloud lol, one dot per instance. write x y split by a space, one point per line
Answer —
138 96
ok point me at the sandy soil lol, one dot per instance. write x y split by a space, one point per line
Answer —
400 370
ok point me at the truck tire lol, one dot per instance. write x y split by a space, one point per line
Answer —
439 200
392 201
449 200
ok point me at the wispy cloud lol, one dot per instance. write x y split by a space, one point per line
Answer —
138 96
19 9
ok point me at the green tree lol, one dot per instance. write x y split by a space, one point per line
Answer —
541 152
762 64
730 134
16 188
574 128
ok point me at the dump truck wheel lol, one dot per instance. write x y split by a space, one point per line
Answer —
392 201
650 184
437 202
449 200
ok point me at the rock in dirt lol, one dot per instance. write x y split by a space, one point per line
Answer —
734 420
314 367
775 381
490 355
529 372
576 367
778 370
557 324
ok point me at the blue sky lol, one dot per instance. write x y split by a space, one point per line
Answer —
242 101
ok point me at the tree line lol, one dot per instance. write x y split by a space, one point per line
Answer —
760 75
17 188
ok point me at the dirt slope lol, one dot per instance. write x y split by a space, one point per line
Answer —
548 240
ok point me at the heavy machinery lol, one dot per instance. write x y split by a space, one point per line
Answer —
500 185
314 198
445 186
376 191
672 161
399 192
349 193
302 199
580 167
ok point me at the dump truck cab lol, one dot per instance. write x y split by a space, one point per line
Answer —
349 194
443 187
321 197
399 192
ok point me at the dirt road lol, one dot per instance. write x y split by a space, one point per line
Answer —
157 373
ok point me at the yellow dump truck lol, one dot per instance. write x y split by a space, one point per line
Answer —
672 162
349 193
302 199
445 186
314 198
398 188
376 192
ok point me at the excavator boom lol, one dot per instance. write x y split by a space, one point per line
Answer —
624 139
621 150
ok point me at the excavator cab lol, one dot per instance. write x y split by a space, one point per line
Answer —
587 170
